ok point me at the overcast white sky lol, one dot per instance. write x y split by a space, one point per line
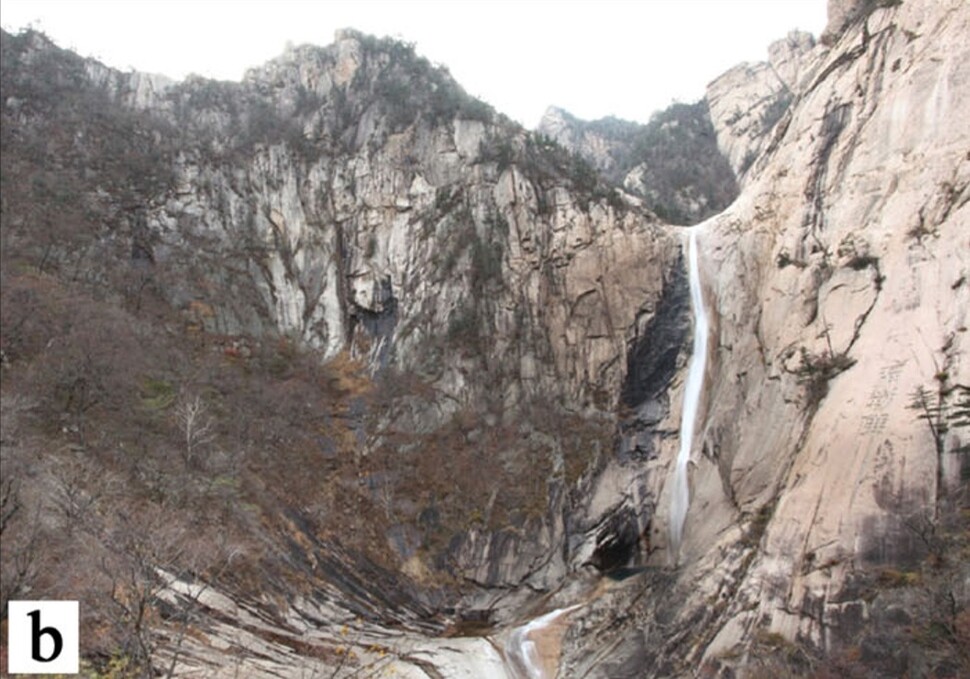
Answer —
626 58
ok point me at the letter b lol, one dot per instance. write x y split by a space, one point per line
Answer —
42 637
36 632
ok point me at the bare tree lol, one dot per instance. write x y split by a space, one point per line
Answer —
195 426
80 484
140 545
19 528
19 568
9 501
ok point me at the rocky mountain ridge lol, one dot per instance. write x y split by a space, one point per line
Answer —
503 341
747 101
672 164
459 278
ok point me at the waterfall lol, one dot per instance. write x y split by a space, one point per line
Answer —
679 495
521 650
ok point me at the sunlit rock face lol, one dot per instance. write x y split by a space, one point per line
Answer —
747 101
838 287
353 200
879 221
369 204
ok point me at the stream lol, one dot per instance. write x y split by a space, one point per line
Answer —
522 654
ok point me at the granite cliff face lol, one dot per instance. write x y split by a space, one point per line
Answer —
838 282
525 329
471 290
747 101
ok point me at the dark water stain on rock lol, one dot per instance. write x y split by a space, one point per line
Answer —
652 354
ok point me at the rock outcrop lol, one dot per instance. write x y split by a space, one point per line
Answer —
352 202
838 281
599 149
747 101
527 329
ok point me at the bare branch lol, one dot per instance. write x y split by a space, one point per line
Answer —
195 426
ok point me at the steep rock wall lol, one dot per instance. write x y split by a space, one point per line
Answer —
879 234
748 100
838 282
412 219
354 199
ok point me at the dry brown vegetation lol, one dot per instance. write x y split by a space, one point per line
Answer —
129 446
133 439
138 439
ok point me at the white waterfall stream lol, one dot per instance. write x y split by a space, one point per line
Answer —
521 651
679 494
522 655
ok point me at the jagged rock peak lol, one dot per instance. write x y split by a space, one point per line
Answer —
749 99
556 118
575 134
318 68
843 13
785 56
346 33
555 122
